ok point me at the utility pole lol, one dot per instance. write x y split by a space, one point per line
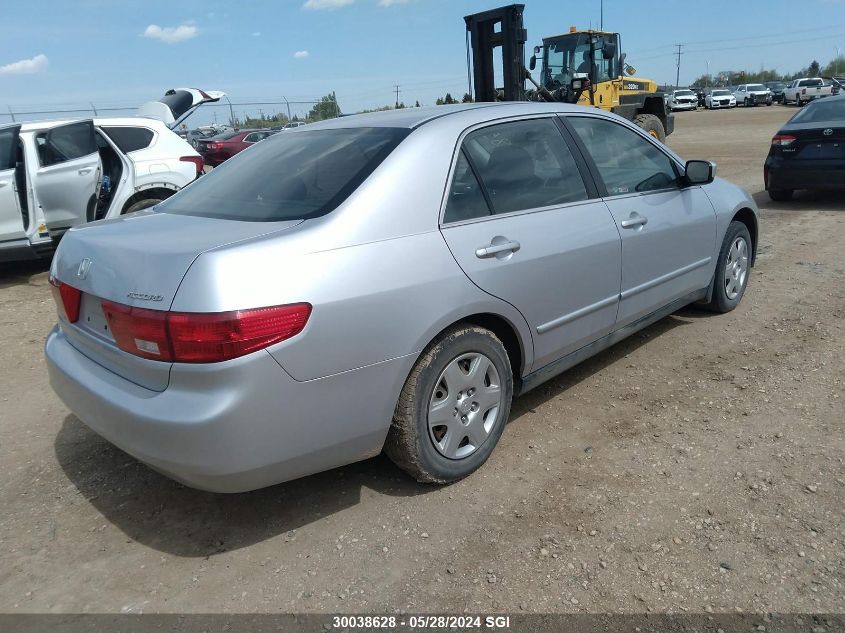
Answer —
601 15
678 74
396 88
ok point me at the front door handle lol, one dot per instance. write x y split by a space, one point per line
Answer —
85 170
635 220
494 248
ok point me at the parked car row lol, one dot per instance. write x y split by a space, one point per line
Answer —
55 175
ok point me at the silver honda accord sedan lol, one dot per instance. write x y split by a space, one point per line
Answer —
384 282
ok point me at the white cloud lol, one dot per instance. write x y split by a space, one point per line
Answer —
257 34
171 34
390 3
300 54
326 4
26 66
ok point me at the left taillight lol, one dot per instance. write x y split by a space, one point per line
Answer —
67 298
196 160
186 337
783 140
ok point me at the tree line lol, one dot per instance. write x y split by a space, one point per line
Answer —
836 67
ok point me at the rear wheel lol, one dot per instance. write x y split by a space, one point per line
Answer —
780 195
732 269
142 204
652 125
453 407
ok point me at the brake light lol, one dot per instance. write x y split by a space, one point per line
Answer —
67 299
214 146
187 337
783 140
196 160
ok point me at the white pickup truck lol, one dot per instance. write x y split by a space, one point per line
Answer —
804 90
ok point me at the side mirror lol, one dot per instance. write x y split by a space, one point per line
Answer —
699 172
608 49
532 62
630 70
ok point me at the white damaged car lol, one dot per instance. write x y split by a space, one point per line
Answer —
58 174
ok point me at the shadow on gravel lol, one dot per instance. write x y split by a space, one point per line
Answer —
169 517
803 201
21 273
172 518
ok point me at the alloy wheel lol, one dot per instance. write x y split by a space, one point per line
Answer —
736 268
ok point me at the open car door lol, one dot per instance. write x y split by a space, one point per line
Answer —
178 104
12 220
68 176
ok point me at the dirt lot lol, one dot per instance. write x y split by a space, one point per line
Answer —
697 466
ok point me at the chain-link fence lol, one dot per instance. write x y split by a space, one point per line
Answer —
236 113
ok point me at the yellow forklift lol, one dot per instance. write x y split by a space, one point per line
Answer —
581 67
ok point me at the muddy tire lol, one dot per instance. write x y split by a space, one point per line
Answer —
652 125
453 407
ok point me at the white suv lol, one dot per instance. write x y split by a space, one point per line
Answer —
57 174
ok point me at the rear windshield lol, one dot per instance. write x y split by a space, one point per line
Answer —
292 176
811 82
821 112
224 136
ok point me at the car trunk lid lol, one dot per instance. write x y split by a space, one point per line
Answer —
139 261
817 141
177 104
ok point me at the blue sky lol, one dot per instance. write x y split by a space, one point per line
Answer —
56 54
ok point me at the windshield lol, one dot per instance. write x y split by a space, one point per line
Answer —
291 176
825 111
569 55
777 86
721 93
683 93
756 87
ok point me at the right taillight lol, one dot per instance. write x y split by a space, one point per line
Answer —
187 337
783 140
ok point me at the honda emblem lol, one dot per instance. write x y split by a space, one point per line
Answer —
84 267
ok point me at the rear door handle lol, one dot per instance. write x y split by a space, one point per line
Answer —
85 170
634 221
494 249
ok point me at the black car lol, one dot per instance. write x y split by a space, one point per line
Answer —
809 150
776 88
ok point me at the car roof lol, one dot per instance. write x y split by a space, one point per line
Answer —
415 117
137 121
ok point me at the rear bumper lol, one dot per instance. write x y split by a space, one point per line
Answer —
24 250
233 426
805 174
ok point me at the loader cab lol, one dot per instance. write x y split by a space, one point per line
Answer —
594 54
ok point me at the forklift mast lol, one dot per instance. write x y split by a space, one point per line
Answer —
484 39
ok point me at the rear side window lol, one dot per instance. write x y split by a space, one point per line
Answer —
130 138
627 162
65 143
289 176
524 165
466 200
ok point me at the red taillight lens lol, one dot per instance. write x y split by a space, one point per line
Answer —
139 331
206 338
783 140
67 299
196 160
186 337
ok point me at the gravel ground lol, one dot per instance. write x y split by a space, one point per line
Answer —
697 466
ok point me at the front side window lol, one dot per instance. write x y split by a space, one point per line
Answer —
290 177
524 165
8 148
626 161
65 143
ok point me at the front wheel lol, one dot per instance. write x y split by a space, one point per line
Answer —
145 203
652 125
732 269
453 407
